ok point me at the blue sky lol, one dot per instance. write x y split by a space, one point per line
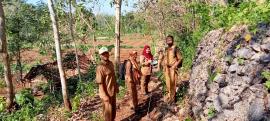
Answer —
105 7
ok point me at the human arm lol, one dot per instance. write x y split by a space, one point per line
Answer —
160 60
143 62
100 81
178 58
128 71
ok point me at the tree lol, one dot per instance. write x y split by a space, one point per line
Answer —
4 54
58 55
117 4
72 37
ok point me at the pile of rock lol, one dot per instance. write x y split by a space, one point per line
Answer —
226 82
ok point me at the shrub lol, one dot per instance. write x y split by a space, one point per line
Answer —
266 75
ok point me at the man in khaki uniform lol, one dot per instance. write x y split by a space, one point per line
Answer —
105 78
171 59
131 67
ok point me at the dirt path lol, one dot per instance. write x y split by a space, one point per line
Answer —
151 108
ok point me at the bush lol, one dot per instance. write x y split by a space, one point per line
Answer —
1 71
212 17
266 75
2 104
29 107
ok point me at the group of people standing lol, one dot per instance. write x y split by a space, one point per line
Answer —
136 74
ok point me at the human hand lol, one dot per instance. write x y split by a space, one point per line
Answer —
105 98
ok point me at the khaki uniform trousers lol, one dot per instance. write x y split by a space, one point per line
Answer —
170 78
109 108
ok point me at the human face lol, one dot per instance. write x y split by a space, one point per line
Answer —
148 50
105 56
169 41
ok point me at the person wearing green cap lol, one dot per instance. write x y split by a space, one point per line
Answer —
105 78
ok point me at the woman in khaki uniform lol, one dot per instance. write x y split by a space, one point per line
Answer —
131 78
105 78
145 60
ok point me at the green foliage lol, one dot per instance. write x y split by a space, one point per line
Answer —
161 77
29 107
1 71
2 104
188 119
96 117
211 112
84 48
85 88
122 89
240 61
181 92
126 46
24 97
208 17
266 75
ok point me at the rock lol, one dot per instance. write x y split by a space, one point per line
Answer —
256 110
266 47
238 82
266 40
228 59
233 68
247 79
217 104
245 53
224 100
257 56
256 47
265 58
220 79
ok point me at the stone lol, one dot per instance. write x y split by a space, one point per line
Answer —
265 58
217 104
266 47
266 40
220 79
247 79
256 110
228 59
244 53
256 47
224 100
257 56
233 68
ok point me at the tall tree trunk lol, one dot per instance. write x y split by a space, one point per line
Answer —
4 54
58 55
73 40
117 4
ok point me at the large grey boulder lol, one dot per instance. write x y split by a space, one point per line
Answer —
237 92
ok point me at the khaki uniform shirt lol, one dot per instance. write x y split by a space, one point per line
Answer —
146 69
171 56
105 75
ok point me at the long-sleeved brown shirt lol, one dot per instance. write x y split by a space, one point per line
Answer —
105 76
170 56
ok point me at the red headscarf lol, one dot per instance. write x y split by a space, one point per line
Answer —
148 56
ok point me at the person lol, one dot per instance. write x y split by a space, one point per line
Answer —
146 69
105 78
171 59
131 78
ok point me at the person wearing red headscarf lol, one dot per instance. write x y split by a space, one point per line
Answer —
146 69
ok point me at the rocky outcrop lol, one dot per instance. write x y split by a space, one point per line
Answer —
226 82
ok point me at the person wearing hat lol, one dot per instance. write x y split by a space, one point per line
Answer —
132 77
105 78
171 60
